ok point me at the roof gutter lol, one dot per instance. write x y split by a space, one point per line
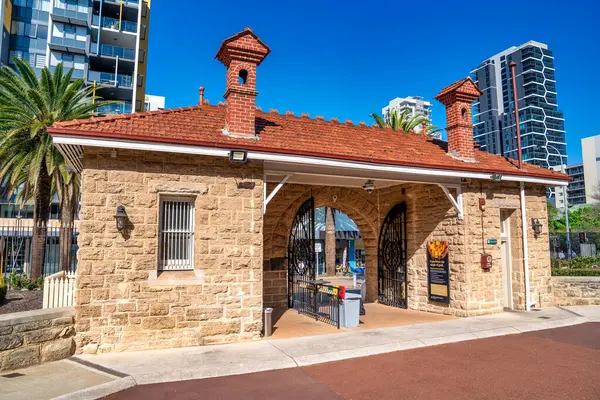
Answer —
69 139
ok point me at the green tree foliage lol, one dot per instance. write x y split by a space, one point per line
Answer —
582 219
403 121
30 165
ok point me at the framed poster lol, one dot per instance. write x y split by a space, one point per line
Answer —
438 272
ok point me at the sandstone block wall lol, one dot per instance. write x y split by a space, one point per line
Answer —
34 337
576 290
486 292
121 304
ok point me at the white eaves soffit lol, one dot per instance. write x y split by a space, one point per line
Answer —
302 167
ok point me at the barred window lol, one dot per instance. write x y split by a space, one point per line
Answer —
176 246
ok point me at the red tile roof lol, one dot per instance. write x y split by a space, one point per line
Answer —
288 134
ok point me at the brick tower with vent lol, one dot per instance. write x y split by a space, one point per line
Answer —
241 54
459 123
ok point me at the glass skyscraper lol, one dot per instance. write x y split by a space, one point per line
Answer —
542 123
104 41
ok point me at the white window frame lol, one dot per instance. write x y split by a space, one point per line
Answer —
176 233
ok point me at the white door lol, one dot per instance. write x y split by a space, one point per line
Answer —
506 264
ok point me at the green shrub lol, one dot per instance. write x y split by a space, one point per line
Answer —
22 281
575 272
579 262
16 281
3 290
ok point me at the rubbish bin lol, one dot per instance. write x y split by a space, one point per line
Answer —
350 310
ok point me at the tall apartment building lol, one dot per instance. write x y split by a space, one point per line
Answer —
412 104
154 103
576 191
590 152
542 123
105 41
5 14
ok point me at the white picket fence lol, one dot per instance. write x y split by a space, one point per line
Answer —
59 290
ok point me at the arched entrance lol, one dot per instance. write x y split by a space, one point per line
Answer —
356 204
391 259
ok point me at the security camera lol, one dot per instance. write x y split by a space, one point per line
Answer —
369 186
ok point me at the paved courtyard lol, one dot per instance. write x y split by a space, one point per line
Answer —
287 323
562 363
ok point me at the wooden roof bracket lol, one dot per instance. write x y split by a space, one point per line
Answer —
268 198
457 202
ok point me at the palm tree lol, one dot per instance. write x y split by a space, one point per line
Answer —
330 241
29 161
68 184
403 121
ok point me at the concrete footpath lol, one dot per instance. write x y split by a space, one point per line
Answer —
101 375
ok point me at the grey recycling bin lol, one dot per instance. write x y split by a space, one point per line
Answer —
350 310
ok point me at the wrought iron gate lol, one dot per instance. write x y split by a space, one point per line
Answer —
392 287
301 248
305 294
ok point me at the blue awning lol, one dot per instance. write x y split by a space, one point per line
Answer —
345 228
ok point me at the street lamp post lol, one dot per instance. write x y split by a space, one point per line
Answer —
566 200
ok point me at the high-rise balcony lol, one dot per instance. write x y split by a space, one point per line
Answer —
531 52
129 3
531 76
70 13
108 79
115 109
534 89
532 64
77 73
70 45
112 51
115 24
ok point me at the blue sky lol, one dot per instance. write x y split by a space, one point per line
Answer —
348 61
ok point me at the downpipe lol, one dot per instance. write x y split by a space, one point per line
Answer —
528 301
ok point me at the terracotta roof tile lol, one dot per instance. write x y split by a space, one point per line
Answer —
288 134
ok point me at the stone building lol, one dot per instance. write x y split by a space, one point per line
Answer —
215 196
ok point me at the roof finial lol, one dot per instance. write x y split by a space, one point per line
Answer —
201 99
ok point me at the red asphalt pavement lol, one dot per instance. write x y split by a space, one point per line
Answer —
561 363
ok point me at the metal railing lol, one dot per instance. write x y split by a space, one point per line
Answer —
68 42
125 2
70 10
113 23
67 66
106 78
16 250
317 300
124 108
113 51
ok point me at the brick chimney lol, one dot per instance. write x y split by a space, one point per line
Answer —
458 98
241 54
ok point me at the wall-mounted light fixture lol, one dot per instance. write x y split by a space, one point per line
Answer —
496 177
537 226
238 156
120 217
